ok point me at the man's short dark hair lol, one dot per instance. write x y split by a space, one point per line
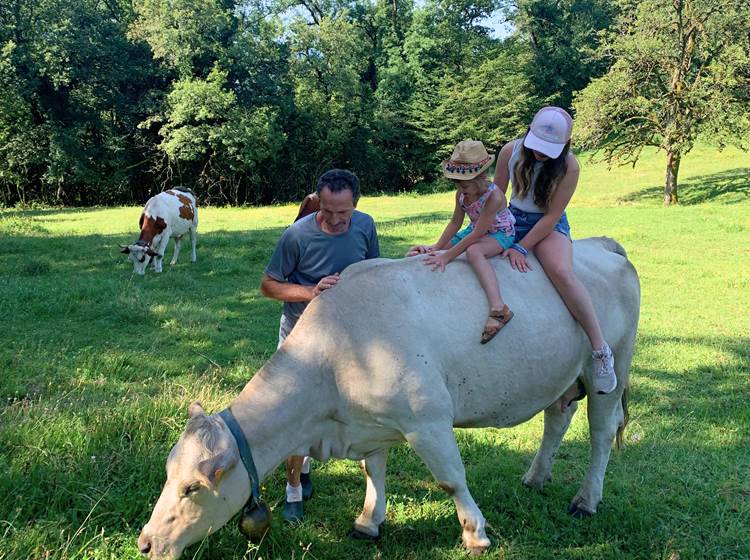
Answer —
338 180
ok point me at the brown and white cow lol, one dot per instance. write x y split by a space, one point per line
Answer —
169 214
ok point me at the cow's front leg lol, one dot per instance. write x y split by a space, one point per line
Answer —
373 513
161 247
436 446
556 423
177 244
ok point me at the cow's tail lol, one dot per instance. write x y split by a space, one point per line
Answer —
612 246
625 419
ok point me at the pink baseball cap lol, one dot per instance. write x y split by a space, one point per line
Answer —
549 131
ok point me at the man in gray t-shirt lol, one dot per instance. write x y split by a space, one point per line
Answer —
307 260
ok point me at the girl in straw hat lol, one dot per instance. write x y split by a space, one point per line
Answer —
489 233
544 175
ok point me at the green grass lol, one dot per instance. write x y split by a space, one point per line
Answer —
98 368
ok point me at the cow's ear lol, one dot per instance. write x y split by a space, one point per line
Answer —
124 249
151 253
213 468
196 409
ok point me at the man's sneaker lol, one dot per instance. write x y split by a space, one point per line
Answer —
307 487
293 511
605 379
293 508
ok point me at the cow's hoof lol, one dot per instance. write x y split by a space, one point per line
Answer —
477 550
576 509
360 535
476 544
535 483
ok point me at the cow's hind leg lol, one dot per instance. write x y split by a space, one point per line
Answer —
373 513
436 445
556 423
606 415
193 242
177 244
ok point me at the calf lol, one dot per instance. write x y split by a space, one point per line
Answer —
169 214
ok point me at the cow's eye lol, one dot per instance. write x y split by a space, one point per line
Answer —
142 259
191 489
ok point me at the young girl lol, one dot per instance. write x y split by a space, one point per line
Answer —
489 233
544 175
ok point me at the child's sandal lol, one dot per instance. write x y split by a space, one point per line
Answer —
503 316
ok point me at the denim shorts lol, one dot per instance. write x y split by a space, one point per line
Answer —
526 220
502 238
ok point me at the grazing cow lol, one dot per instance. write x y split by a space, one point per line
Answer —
389 355
169 214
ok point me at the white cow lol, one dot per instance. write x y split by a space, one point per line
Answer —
169 214
390 355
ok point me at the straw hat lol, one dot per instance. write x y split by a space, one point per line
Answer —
468 160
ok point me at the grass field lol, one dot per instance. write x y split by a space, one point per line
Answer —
98 368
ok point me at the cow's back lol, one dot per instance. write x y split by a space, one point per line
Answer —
398 335
176 207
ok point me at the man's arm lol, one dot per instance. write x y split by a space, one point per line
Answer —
289 292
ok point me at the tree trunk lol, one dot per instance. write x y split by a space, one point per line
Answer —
673 168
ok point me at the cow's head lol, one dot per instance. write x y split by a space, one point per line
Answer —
141 254
206 485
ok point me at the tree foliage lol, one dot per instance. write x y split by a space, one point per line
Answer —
248 101
681 69
562 37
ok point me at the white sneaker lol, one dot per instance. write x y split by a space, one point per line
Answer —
605 379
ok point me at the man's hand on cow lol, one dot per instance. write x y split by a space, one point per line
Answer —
516 259
437 260
325 283
420 250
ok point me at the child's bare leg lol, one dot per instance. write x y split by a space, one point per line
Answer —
477 255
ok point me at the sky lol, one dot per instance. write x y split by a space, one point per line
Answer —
500 28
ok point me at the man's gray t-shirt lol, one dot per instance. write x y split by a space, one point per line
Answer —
305 253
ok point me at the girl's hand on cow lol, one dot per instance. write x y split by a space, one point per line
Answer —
420 250
437 260
325 283
517 260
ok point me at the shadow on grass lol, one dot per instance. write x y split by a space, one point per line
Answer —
727 187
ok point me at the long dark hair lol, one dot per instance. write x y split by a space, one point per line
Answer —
551 173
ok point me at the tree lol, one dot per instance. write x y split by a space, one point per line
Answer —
681 70
563 36
70 91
